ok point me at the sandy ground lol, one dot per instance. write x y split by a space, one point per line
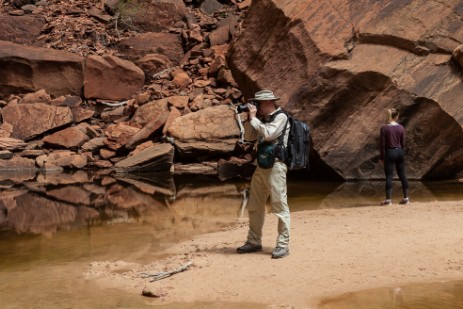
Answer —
332 251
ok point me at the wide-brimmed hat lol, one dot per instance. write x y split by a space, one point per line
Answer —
265 95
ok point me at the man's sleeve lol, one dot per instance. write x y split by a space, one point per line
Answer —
250 134
271 130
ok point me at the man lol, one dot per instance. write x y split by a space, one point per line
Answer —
268 182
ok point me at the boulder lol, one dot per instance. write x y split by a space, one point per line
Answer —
224 32
111 6
211 6
339 67
30 120
26 69
204 168
181 79
153 64
20 3
40 96
209 131
21 29
6 155
70 101
154 16
119 134
94 144
17 164
80 114
7 143
173 114
165 44
70 138
158 158
62 159
151 116
147 112
112 78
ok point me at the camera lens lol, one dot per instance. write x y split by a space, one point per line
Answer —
242 108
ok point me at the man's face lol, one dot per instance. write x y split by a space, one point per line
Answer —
266 107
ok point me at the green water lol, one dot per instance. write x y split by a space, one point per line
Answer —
53 226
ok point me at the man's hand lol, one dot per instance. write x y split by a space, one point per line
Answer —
252 111
382 162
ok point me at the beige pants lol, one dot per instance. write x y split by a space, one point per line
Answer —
269 182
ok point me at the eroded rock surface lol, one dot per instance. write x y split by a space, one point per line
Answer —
340 64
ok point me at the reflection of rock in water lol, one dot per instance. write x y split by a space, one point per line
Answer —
37 215
159 183
219 198
17 176
58 201
370 193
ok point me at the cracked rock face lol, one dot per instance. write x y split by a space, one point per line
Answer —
341 64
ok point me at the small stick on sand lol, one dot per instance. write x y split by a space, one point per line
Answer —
162 275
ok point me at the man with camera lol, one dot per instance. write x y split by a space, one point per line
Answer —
269 178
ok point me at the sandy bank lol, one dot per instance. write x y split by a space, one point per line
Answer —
332 251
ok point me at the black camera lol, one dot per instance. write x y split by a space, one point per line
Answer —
245 106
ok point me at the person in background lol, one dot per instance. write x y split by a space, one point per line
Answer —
268 181
392 137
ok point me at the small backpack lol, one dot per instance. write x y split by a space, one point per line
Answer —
298 148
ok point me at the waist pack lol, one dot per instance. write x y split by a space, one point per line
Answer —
268 152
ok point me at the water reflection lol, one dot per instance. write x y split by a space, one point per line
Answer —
317 195
442 295
45 203
64 201
81 216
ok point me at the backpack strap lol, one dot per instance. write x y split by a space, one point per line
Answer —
282 135
274 115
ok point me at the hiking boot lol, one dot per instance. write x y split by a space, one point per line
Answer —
249 248
405 201
280 252
386 202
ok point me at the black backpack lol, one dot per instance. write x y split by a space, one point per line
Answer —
297 151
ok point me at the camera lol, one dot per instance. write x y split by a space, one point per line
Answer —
245 106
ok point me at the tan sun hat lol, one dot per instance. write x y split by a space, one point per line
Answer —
265 95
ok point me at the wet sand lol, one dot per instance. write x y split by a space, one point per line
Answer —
333 251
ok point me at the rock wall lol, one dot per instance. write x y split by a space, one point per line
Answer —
340 64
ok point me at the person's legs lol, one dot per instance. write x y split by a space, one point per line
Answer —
388 171
256 206
400 167
279 201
